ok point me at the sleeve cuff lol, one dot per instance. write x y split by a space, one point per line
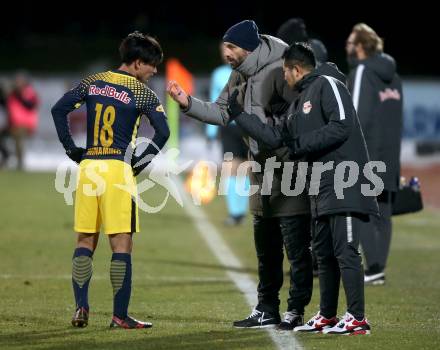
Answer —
186 109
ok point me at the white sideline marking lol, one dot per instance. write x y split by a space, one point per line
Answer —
215 242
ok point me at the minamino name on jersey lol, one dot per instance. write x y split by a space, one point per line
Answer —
110 92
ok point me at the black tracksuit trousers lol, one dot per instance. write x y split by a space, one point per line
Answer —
271 234
336 243
375 235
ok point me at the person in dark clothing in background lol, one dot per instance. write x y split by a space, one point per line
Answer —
294 30
322 127
377 96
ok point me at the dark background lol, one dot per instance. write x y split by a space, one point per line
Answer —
74 37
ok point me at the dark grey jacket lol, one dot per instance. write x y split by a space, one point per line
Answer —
377 96
322 126
264 93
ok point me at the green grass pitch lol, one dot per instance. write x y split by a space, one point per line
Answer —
178 284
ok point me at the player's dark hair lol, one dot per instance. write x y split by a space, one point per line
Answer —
140 46
300 54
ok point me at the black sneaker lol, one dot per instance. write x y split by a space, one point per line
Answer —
290 321
374 275
129 323
81 318
259 319
376 279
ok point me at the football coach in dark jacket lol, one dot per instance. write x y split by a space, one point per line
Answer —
322 128
258 75
376 89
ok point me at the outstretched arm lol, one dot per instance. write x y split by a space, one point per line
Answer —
207 112
251 124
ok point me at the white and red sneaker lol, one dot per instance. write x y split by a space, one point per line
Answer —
349 326
129 323
317 324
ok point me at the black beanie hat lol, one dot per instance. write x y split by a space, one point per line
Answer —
244 35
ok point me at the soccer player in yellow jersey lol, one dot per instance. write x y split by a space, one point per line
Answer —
115 100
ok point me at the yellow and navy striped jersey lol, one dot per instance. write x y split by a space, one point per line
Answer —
115 102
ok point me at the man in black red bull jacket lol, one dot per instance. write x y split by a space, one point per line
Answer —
322 128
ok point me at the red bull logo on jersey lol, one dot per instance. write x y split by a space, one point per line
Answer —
110 91
389 94
307 107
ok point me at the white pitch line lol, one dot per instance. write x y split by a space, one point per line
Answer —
217 245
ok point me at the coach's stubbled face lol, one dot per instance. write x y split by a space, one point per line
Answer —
233 54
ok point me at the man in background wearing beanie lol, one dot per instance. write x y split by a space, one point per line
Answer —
294 30
258 76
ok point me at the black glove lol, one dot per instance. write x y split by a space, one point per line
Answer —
234 108
291 142
76 154
137 168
